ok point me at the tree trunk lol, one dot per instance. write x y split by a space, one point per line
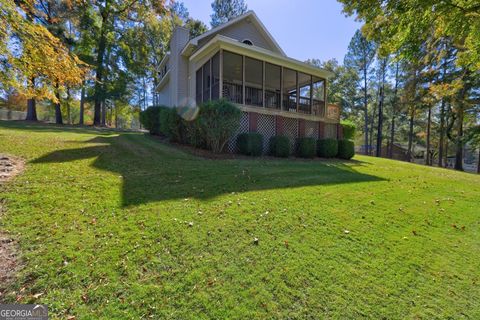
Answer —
459 141
478 162
31 110
82 104
441 142
31 105
410 135
69 115
104 116
428 160
365 105
380 124
394 113
58 110
372 126
102 45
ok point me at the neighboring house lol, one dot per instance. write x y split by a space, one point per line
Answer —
471 159
240 61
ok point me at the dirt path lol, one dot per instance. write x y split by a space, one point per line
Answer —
9 168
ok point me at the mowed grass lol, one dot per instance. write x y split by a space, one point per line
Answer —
117 225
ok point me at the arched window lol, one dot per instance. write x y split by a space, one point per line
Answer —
247 41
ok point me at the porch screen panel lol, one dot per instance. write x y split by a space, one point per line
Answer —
216 76
305 89
272 86
253 82
232 77
289 89
198 86
318 96
206 81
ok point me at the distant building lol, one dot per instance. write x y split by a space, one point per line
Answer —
470 159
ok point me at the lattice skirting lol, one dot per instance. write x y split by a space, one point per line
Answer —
266 127
331 131
290 130
311 129
232 143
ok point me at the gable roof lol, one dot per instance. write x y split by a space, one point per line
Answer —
193 43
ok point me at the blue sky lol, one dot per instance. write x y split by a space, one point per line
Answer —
303 28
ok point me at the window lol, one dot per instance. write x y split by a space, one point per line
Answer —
247 41
253 82
318 88
206 81
232 77
289 89
198 86
318 95
272 85
305 89
216 76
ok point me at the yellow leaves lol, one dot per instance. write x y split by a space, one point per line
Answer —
36 54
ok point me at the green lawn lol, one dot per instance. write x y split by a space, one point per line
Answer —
117 225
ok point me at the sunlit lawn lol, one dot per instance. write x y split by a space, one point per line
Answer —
117 225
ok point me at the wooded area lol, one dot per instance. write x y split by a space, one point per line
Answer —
411 75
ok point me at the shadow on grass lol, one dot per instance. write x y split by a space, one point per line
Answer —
153 171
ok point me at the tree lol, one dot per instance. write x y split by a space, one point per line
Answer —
395 108
359 57
382 73
226 10
400 27
33 61
114 18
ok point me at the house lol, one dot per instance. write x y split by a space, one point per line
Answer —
471 159
240 61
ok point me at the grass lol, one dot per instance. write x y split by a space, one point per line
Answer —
117 225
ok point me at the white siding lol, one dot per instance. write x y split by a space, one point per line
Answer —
178 67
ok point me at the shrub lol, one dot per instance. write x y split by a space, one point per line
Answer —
173 125
327 148
346 149
306 147
348 129
218 120
280 146
150 119
193 134
250 144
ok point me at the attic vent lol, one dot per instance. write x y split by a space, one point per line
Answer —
246 41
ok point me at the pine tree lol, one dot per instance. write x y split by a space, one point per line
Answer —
226 10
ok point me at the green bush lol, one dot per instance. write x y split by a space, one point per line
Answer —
280 146
250 144
193 134
172 125
348 129
218 120
346 149
306 147
327 148
150 119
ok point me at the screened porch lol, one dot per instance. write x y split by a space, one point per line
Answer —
255 83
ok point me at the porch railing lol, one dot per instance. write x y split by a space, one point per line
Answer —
318 107
272 99
233 92
304 105
254 97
